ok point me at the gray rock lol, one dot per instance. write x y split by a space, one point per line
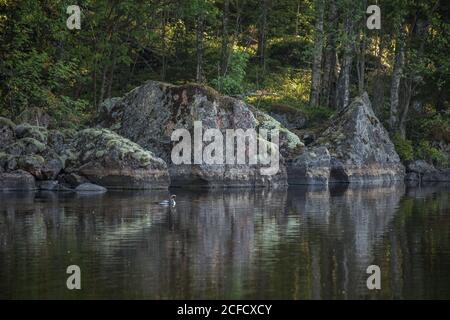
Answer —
31 163
64 188
310 168
107 159
360 148
149 114
26 130
59 140
48 185
51 168
422 171
90 188
17 181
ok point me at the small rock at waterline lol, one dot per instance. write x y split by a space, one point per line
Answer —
91 188
48 185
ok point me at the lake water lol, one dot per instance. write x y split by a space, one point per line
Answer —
239 244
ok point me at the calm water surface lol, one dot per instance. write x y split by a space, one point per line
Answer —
295 244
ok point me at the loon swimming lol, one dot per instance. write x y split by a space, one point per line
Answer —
170 202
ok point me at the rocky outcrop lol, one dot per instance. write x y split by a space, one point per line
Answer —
135 152
360 148
61 160
109 160
149 114
25 148
421 171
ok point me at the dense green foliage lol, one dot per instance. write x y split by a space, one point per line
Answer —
261 50
404 148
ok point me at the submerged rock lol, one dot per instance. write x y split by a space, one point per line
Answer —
360 148
149 114
109 160
90 188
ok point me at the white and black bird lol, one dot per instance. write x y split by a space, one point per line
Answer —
169 203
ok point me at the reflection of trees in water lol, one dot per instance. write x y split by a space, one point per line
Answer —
415 255
304 243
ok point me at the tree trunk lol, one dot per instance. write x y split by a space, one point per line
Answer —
163 42
111 74
225 38
103 85
408 95
378 87
361 70
343 89
361 65
395 84
200 29
329 72
317 61
262 29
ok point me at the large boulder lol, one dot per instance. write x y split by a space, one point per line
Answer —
360 148
149 114
109 160
17 181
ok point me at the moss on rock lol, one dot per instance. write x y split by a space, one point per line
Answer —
26 130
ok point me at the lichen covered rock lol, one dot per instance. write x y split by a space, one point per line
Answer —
26 147
360 148
149 114
109 160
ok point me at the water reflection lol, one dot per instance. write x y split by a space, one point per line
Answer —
296 244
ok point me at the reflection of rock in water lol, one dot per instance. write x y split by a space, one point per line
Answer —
297 244
212 237
342 228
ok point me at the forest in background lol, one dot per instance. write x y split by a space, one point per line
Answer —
309 55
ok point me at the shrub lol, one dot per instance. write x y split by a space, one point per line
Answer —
232 82
427 152
404 148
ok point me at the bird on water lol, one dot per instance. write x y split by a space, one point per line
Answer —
171 202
